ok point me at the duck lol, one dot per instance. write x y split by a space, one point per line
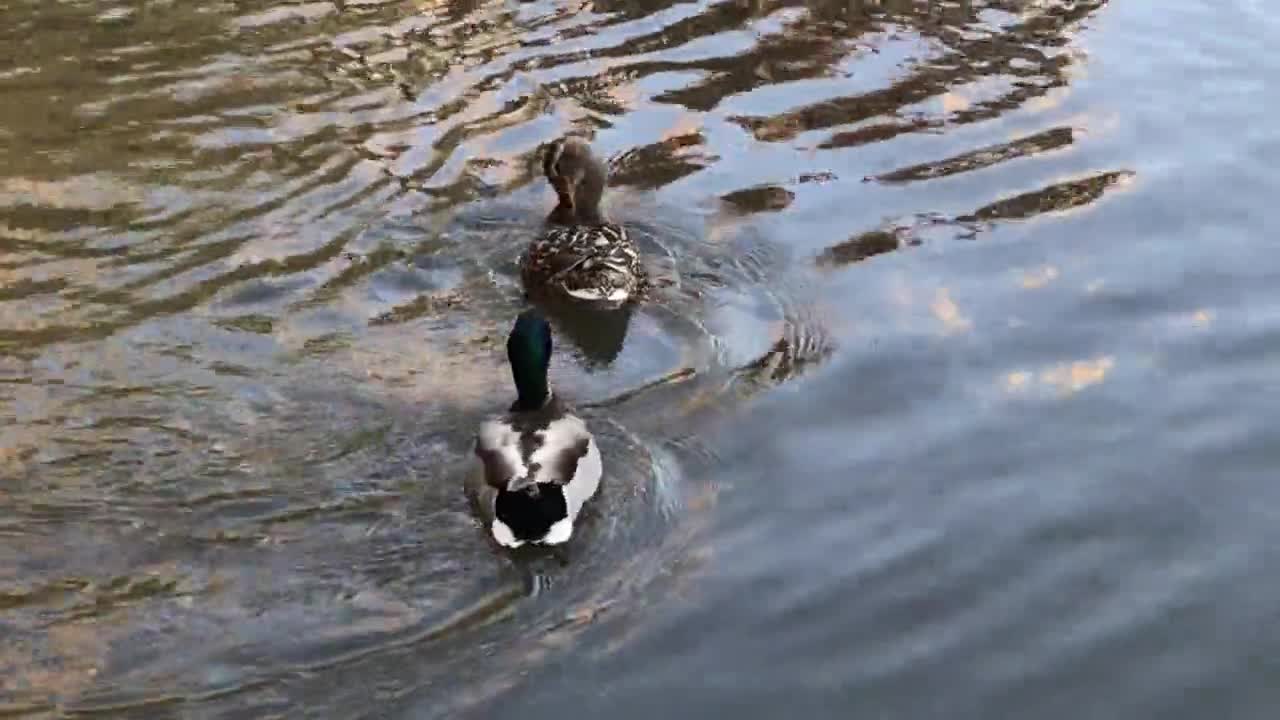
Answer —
538 464
581 256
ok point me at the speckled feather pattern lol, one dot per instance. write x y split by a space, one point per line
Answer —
587 262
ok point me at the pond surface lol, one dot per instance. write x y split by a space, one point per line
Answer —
952 402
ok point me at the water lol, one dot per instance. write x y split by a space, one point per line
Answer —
953 401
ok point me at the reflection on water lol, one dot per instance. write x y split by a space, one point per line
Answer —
258 259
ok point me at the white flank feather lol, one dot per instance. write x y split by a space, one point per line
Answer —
504 536
593 295
560 532
585 481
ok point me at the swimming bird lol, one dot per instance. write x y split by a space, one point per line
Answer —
581 255
538 463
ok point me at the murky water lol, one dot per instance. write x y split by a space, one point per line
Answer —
953 401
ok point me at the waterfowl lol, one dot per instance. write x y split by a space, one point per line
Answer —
581 255
537 464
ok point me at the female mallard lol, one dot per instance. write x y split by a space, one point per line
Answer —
581 255
538 463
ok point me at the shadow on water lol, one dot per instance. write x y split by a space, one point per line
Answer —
258 262
599 333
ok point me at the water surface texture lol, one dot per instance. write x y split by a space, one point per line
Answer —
951 400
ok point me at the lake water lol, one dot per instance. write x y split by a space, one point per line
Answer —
952 401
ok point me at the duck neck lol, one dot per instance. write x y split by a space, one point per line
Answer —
588 208
532 401
589 193
562 215
531 387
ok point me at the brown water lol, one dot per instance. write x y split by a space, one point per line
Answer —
953 401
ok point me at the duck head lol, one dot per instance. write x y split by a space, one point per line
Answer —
579 179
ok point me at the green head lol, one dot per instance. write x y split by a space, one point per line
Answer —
529 352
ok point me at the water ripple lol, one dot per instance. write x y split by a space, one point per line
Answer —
257 259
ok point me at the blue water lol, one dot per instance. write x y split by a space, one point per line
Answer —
954 401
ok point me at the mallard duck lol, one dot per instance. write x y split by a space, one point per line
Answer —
538 463
581 255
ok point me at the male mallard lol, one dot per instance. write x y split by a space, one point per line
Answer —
581 255
538 463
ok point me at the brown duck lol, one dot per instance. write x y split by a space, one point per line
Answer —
581 255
